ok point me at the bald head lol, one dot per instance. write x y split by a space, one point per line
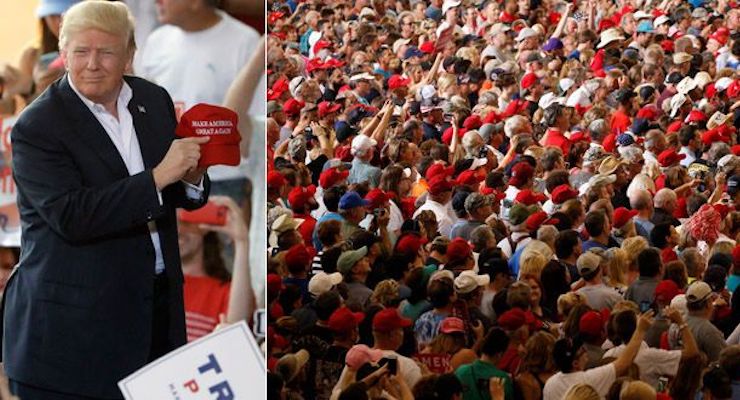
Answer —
666 199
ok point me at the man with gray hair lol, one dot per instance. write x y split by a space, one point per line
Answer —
363 149
598 129
478 207
665 202
517 125
98 292
642 202
655 143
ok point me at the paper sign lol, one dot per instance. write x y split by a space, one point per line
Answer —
444 37
225 365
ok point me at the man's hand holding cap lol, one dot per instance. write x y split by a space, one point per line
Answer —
220 125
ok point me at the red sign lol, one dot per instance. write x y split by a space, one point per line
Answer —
444 38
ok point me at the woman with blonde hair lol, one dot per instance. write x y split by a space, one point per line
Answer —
632 247
581 391
637 390
537 366
532 264
567 302
616 269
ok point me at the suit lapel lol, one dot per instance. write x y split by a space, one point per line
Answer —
150 148
90 130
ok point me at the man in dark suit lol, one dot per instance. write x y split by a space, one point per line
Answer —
97 293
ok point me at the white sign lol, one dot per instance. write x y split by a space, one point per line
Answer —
225 365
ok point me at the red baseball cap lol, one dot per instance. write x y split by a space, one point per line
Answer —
713 135
538 219
389 319
666 290
579 136
472 122
529 197
452 325
563 193
669 157
439 184
438 169
377 198
331 177
592 323
299 196
410 244
274 284
275 179
674 127
218 123
447 135
516 318
293 107
397 81
458 250
326 108
298 256
668 255
344 320
622 215
521 173
695 116
528 80
469 178
427 47
498 196
314 64
321 44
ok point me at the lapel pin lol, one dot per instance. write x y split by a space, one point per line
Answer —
142 109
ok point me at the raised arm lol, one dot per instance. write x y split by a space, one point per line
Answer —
623 362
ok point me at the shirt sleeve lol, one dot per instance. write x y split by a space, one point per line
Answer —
665 362
601 378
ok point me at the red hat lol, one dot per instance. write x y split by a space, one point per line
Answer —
648 112
452 325
668 255
554 18
410 244
606 23
515 107
592 323
334 63
299 196
281 85
622 216
696 116
516 318
298 256
447 135
669 157
377 198
439 185
293 107
274 285
667 45
713 135
529 197
735 149
344 320
427 47
331 177
492 117
326 108
538 219
528 80
469 178
563 193
458 250
438 169
321 44
275 180
472 122
666 291
219 124
314 64
397 81
521 173
720 38
274 16
734 89
710 90
388 319
498 196
579 136
674 127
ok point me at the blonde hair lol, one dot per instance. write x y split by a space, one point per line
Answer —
386 293
532 264
582 391
617 267
567 301
723 246
632 247
112 17
637 390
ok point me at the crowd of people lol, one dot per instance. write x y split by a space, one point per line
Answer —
175 49
516 199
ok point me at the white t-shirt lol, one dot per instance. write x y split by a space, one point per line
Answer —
410 372
199 67
445 216
653 363
600 378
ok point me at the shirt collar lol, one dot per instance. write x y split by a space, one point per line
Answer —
124 96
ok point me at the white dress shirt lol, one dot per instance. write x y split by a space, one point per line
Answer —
123 135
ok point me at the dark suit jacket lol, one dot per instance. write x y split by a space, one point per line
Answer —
78 307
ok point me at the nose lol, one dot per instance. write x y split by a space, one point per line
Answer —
92 61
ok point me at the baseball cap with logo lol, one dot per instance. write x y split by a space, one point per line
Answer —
332 176
468 281
344 320
218 123
698 291
323 282
452 325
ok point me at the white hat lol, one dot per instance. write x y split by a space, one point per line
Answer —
363 76
468 281
441 274
362 143
579 97
608 36
697 292
427 92
498 28
323 282
549 99
642 15
313 38
595 180
660 21
722 83
400 42
282 224
525 33
702 78
295 85
592 85
681 57
677 101
477 163
717 119
726 160
449 4
566 83
367 11
686 85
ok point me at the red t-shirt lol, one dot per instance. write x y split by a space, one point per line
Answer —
205 299
620 122
306 228
555 138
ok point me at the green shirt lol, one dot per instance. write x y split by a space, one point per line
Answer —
475 374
